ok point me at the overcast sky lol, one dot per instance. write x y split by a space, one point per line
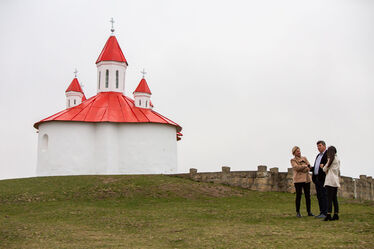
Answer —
247 80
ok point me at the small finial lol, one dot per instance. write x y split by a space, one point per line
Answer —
75 73
143 72
112 21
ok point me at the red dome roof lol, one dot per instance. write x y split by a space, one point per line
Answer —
111 51
143 87
110 107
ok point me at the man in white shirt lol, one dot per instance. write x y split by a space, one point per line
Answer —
319 178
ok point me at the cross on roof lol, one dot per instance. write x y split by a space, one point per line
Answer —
143 72
75 73
112 21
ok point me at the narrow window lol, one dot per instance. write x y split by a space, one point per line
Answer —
69 103
140 102
124 74
146 103
44 143
107 78
99 78
117 82
75 101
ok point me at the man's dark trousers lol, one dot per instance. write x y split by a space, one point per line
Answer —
321 196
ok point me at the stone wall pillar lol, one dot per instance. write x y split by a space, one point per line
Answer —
193 173
290 186
274 181
225 174
370 188
261 180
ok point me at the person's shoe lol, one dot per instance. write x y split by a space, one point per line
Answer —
335 217
327 218
310 214
298 215
321 216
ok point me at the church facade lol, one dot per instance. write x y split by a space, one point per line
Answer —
108 133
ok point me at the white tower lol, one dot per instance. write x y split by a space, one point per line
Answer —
111 66
142 94
74 93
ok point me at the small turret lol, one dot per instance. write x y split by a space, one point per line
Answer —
74 93
142 95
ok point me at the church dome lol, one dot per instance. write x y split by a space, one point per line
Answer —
109 107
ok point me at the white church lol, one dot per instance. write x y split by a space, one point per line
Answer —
108 133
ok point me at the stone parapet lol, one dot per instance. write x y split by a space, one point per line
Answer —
273 180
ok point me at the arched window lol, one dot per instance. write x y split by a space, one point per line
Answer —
107 78
99 79
140 102
75 101
117 80
44 143
146 103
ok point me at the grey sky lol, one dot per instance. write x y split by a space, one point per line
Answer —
247 80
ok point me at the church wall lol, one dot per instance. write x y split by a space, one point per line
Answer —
78 148
68 147
151 147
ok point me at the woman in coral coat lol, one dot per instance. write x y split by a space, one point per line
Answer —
301 179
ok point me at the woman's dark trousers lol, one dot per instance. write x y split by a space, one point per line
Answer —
299 187
332 198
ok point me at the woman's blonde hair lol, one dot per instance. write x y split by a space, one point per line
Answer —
294 149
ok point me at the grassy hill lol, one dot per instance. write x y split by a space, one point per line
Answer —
166 212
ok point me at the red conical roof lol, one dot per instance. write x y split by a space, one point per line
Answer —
143 87
74 86
111 51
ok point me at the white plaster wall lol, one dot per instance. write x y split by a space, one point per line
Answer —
77 96
77 148
112 66
145 100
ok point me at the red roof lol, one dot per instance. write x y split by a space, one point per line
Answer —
111 51
143 87
74 86
109 107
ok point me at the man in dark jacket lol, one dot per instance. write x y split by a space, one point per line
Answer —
318 178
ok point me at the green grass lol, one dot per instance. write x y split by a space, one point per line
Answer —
166 212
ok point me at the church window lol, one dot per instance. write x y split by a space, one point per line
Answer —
99 79
107 78
146 103
140 102
117 79
69 103
75 101
44 143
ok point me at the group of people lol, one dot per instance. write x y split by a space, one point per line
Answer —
325 176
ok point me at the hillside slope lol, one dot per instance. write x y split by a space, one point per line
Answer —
158 211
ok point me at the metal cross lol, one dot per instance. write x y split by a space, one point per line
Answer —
143 72
75 73
112 21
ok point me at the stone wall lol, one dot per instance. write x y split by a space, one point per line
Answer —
273 180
